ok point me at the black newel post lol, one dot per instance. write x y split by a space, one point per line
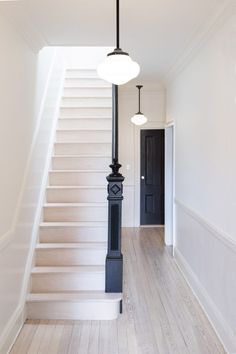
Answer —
114 258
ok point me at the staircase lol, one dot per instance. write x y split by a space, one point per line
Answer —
68 277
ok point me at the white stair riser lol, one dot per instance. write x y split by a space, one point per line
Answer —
89 112
86 136
53 282
81 73
70 257
87 92
80 163
86 102
65 234
77 178
82 149
84 310
73 195
84 123
74 213
84 83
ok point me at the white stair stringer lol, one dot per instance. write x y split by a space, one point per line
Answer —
68 275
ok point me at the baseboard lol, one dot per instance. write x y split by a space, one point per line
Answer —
12 330
217 321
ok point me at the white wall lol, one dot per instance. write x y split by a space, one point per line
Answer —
24 140
153 106
83 57
202 102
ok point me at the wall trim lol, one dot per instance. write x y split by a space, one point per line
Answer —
222 236
12 330
169 124
216 319
200 37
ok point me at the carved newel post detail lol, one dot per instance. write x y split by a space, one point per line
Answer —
114 259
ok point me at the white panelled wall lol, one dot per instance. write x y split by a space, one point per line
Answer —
27 104
153 106
202 102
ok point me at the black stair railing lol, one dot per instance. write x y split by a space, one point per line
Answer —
114 258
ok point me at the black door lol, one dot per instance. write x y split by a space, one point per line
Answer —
152 177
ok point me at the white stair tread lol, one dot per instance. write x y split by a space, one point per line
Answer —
75 296
82 245
68 269
95 83
85 97
79 143
71 171
77 187
84 106
66 118
62 205
83 130
74 224
84 156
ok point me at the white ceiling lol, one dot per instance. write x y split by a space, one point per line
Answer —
154 32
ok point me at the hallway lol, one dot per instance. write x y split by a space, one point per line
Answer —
160 313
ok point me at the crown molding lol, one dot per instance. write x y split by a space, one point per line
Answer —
26 29
201 36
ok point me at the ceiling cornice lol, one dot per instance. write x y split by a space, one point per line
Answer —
201 36
31 35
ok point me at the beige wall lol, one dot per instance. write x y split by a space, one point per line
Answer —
201 101
153 106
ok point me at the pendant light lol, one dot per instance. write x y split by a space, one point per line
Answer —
118 68
139 118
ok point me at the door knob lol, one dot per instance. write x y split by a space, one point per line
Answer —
142 177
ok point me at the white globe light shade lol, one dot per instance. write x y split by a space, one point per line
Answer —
118 69
139 119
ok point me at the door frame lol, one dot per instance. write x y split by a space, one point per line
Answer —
137 166
169 184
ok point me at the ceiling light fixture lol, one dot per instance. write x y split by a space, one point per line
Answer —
118 68
139 118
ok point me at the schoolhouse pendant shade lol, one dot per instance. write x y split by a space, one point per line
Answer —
118 68
139 118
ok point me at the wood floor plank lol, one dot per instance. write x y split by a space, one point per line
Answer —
75 338
160 313
46 339
93 347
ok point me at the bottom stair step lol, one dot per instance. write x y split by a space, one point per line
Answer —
81 305
56 279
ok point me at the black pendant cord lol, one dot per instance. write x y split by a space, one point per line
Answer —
118 24
139 99
115 166
115 131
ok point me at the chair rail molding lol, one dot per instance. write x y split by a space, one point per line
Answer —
204 32
222 236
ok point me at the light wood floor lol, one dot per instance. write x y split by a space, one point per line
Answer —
160 315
